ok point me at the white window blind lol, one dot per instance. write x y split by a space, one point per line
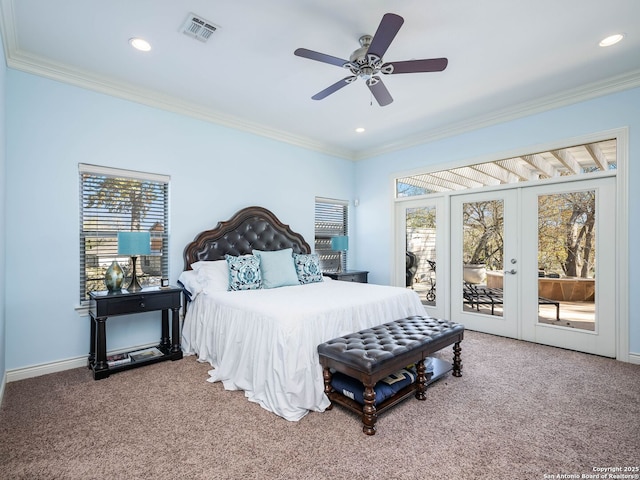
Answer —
113 200
332 220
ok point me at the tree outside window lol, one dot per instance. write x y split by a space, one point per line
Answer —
114 200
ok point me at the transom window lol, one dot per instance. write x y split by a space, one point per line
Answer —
569 161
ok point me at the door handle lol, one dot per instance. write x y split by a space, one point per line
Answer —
512 271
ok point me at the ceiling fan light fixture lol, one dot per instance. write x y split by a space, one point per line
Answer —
140 44
367 73
367 61
611 40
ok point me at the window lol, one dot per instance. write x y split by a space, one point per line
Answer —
569 161
331 221
113 200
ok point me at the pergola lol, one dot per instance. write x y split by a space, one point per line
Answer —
576 160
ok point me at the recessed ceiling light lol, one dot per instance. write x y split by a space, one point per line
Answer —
611 40
140 44
359 129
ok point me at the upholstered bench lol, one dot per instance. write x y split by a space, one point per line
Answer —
373 354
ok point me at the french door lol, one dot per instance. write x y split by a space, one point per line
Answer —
484 262
577 310
421 230
537 263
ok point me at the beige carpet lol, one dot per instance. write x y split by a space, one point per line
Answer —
520 411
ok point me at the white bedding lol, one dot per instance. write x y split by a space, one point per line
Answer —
265 341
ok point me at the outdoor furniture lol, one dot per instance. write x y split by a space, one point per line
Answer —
411 267
431 294
548 301
476 295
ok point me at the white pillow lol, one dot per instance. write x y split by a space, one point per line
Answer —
212 276
203 264
189 278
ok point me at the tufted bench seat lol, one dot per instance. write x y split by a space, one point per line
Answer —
373 354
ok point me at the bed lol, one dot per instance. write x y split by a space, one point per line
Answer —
263 339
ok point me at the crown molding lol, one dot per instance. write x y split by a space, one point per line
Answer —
40 66
63 73
83 79
7 30
567 97
36 65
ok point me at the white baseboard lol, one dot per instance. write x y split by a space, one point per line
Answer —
634 358
59 366
44 369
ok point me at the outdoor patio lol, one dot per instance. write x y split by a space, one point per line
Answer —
572 314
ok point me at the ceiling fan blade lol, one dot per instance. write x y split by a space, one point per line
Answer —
334 88
387 31
320 57
415 66
379 91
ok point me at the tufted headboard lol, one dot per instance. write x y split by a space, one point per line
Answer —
250 228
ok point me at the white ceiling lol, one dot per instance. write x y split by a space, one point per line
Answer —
506 59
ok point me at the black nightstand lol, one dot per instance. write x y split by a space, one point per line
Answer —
359 276
108 304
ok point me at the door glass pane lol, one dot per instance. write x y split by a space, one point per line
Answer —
421 252
483 256
566 259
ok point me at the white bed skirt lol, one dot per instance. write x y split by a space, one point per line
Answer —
265 341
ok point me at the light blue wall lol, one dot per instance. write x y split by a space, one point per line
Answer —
51 127
3 73
375 189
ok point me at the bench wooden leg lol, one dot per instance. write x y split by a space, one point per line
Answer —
326 375
369 415
457 363
421 387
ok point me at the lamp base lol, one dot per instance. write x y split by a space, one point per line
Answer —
339 270
134 285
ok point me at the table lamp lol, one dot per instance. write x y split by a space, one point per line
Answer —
134 244
340 243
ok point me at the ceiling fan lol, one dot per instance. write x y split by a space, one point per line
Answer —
367 62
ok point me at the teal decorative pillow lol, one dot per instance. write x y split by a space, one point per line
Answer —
307 267
277 268
244 272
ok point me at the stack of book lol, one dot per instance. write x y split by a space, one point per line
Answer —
118 359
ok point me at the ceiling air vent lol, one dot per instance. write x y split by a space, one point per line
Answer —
198 28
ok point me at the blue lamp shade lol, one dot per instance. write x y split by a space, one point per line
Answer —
134 243
340 243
